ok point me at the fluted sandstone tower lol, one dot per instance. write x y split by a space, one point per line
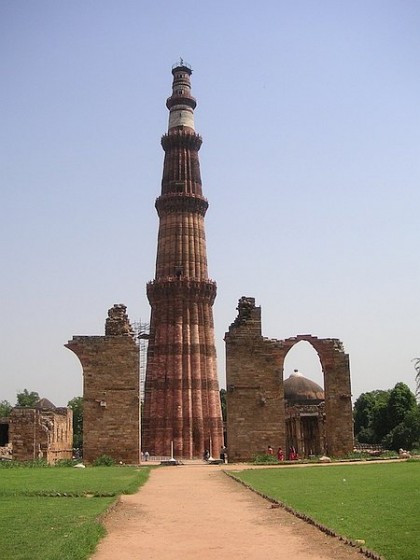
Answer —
181 401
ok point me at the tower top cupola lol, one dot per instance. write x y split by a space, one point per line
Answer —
181 104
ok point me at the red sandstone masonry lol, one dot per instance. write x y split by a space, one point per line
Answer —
181 403
111 388
41 433
255 395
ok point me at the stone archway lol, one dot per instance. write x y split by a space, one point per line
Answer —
255 392
337 388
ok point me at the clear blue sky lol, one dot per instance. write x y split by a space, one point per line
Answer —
310 116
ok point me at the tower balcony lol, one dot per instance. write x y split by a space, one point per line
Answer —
180 138
181 202
184 288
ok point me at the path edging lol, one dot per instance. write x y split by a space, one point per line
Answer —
366 552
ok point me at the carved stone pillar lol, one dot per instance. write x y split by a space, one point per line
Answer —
181 401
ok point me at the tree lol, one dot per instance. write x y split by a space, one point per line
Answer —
401 401
390 418
405 435
26 398
370 416
76 404
5 409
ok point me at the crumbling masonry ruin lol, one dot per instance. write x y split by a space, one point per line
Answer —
111 390
41 432
255 392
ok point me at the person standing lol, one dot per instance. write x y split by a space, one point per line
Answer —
225 453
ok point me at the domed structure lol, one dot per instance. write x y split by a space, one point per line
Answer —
305 415
45 403
301 390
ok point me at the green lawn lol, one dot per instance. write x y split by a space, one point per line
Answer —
52 513
377 503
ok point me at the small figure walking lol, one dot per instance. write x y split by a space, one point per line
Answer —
146 455
280 454
223 454
270 450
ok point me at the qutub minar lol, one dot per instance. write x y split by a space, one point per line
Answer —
182 411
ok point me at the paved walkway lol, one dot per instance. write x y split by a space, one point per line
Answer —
197 512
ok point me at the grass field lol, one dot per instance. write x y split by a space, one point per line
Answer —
378 503
51 513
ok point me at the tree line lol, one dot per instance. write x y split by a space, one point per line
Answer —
390 418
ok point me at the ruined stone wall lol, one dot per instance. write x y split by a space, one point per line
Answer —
111 390
338 407
41 434
57 432
25 433
255 396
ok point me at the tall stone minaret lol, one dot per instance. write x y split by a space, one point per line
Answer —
182 411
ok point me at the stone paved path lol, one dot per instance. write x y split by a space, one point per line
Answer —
197 512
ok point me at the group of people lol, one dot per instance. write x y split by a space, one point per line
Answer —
293 456
280 454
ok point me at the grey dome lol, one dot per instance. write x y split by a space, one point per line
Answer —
44 403
301 390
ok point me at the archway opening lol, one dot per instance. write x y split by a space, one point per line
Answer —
304 402
303 357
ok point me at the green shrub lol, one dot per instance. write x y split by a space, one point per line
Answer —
103 461
265 459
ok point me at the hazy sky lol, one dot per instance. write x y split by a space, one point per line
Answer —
310 117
